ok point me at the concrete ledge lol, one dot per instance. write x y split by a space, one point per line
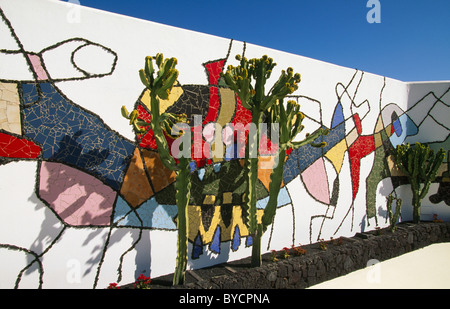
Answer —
317 265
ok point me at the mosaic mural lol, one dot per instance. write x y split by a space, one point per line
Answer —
92 177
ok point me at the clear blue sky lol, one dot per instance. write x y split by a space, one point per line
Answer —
412 42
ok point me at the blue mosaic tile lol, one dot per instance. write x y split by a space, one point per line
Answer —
334 136
308 154
217 167
215 243
407 128
154 215
231 152
249 241
283 199
397 127
338 116
148 215
291 168
124 216
201 173
30 93
236 242
70 135
197 248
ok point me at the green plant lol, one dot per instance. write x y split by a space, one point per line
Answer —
289 122
248 81
297 251
420 164
160 84
274 255
323 245
393 216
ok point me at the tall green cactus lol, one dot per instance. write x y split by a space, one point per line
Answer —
393 216
254 98
420 164
289 120
160 87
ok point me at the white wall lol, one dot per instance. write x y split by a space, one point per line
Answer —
43 249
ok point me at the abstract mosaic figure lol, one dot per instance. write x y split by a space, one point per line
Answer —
217 193
428 111
81 161
64 132
108 197
393 127
345 136
90 176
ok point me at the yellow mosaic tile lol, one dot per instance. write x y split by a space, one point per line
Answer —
227 197
378 140
336 155
209 200
10 108
175 94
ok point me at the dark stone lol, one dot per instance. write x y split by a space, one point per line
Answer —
316 265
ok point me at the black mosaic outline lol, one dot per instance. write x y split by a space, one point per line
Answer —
36 259
112 225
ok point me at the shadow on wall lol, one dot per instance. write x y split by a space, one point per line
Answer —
78 198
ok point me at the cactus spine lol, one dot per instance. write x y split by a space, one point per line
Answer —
160 86
420 164
254 98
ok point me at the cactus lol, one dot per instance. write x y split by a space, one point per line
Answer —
254 98
289 120
183 193
162 126
393 217
420 164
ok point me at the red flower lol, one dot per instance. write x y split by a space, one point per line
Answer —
142 282
113 286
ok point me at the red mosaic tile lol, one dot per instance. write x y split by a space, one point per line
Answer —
15 147
214 69
362 147
214 103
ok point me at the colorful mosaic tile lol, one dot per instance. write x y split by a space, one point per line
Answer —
76 197
160 176
90 176
136 188
72 136
16 147
10 108
363 146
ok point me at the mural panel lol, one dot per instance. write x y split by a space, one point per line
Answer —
97 186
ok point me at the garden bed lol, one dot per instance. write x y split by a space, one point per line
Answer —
321 262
